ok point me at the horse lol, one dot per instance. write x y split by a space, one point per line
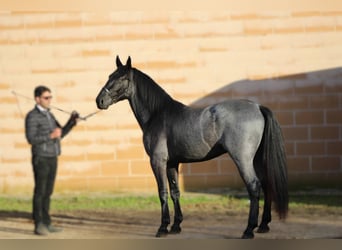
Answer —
174 133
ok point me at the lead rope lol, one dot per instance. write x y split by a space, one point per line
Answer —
16 94
18 104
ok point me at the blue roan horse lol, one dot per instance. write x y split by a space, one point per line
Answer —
174 133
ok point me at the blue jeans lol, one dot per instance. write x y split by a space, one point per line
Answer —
44 169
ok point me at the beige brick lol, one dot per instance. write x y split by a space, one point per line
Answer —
130 152
69 158
101 184
71 184
140 167
21 66
137 183
100 156
244 16
284 26
91 171
258 27
68 20
274 42
124 17
319 24
115 168
39 21
95 19
306 13
95 52
8 21
4 86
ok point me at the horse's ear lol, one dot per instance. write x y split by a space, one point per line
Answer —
129 62
118 62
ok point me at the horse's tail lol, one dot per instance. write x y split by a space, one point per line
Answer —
274 163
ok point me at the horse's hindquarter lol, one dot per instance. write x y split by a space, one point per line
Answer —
243 125
202 134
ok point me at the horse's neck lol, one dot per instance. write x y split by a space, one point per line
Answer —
140 112
141 105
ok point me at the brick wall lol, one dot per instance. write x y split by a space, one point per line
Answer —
288 60
308 107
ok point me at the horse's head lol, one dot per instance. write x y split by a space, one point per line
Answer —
117 87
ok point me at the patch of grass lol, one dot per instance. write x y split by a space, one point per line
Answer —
15 204
109 202
133 202
190 202
326 200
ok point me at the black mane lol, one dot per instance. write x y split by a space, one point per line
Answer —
154 97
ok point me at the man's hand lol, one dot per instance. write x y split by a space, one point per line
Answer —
74 116
56 133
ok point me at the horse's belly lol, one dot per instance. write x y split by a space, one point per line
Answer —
199 152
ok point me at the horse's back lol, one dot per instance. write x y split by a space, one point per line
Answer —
242 107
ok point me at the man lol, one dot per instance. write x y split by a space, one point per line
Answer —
44 133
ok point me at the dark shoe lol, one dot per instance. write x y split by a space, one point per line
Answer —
53 229
41 229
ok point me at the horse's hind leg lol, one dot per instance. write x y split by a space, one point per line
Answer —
172 175
262 174
266 215
253 187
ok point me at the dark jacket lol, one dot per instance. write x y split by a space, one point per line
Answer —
38 128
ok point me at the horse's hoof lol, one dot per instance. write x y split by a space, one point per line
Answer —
263 229
162 233
247 235
175 229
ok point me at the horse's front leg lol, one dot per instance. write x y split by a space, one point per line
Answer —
159 171
172 175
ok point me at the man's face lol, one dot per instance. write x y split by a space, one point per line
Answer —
44 100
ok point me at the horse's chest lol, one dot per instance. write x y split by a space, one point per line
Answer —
155 142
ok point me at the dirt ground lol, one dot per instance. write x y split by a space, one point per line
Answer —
143 225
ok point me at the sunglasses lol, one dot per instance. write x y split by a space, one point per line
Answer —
46 97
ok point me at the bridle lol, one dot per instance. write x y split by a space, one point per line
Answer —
107 91
129 79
